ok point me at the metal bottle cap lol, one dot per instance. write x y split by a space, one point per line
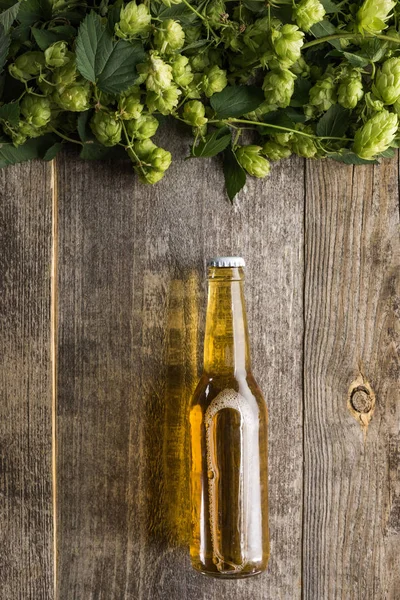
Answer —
226 261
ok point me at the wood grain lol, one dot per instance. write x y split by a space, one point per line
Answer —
131 317
26 517
351 493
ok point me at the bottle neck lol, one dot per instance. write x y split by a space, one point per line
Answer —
226 344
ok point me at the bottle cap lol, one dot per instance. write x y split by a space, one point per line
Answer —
226 261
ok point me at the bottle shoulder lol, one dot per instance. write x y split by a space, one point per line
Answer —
227 389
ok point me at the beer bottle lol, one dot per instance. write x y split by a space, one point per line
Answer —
228 424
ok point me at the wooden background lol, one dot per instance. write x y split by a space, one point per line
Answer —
102 296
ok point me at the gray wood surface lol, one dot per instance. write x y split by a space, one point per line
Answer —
351 479
321 242
26 522
132 303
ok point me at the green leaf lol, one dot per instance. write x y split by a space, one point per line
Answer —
330 7
277 117
113 14
356 60
45 37
178 12
94 151
8 17
301 90
334 122
33 148
196 44
388 153
350 158
255 6
324 28
235 176
236 100
4 46
52 151
112 66
33 11
10 113
82 125
213 144
374 49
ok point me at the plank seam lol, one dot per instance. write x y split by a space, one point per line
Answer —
53 354
302 596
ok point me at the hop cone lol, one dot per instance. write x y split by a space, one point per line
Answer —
323 93
373 14
287 43
106 128
134 20
350 90
275 151
250 159
387 81
278 87
308 12
376 135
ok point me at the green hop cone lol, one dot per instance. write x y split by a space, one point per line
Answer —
373 14
396 108
154 161
142 128
181 71
36 110
255 36
192 34
307 13
76 97
169 36
302 145
278 87
373 103
301 68
216 13
199 61
134 20
376 135
65 75
24 131
57 55
387 81
27 66
106 128
158 73
160 159
129 104
287 42
164 101
350 90
275 151
249 157
214 80
323 94
282 138
194 113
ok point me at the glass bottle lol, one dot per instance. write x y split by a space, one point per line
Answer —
228 425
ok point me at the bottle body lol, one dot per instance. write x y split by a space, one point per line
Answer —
228 424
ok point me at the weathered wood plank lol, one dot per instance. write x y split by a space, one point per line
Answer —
351 520
26 525
132 302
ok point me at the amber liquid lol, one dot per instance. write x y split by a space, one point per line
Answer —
228 421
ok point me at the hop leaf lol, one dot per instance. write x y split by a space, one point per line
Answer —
376 135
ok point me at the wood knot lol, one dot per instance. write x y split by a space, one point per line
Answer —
361 401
